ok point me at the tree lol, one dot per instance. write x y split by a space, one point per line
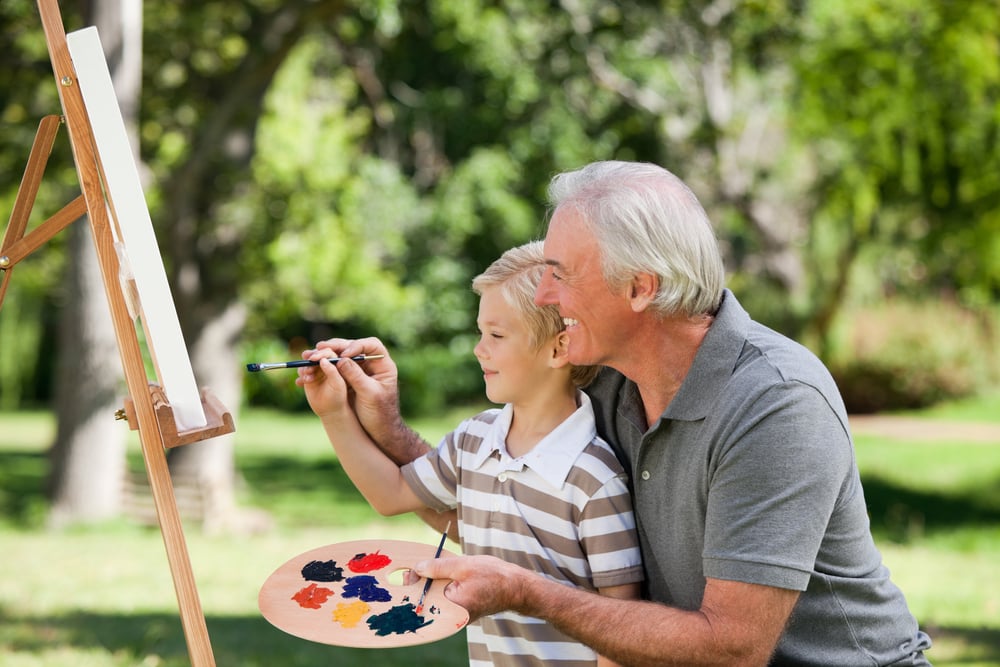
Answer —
900 101
210 69
88 456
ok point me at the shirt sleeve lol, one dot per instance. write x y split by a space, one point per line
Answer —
433 477
608 535
774 488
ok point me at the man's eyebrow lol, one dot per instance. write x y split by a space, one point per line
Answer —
552 262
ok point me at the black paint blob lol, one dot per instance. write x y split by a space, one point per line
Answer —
322 571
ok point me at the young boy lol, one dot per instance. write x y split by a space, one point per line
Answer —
532 482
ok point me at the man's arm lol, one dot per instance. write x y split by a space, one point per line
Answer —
737 624
623 592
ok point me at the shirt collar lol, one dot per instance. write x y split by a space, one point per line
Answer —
554 455
713 364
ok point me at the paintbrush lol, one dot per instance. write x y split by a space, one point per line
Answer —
299 363
427 585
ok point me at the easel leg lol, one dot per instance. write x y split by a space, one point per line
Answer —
89 173
27 191
192 616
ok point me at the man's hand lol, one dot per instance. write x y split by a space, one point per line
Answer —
483 585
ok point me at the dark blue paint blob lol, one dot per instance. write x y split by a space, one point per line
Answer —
398 620
322 571
365 588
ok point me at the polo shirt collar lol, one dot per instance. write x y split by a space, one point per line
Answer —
713 364
554 455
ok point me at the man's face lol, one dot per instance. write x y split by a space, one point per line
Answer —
597 320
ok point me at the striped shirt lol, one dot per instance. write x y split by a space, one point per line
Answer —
563 510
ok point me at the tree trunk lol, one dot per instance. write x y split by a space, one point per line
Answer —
88 456
207 468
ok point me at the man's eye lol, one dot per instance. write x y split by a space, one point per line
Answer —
556 276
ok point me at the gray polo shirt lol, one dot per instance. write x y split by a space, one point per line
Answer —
749 475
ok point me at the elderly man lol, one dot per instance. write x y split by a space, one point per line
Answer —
751 515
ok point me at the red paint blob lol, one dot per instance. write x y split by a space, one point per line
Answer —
368 562
312 596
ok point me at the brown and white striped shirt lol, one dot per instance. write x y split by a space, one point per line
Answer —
563 510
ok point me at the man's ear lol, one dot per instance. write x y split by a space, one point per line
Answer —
560 350
643 290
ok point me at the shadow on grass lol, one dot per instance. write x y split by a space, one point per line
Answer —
295 490
959 646
236 640
22 485
252 642
902 513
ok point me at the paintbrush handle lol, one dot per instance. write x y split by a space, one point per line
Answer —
437 554
299 363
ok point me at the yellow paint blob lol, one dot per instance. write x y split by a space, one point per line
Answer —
348 615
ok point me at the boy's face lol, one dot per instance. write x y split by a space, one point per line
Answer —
512 367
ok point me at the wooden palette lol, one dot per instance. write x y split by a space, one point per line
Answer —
350 594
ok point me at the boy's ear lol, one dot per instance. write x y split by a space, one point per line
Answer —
560 350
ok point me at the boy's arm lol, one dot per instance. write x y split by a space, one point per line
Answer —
376 476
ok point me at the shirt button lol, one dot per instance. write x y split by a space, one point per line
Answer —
645 474
502 477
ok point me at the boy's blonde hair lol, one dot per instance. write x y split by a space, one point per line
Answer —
517 273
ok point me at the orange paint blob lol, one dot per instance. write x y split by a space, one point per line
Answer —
312 596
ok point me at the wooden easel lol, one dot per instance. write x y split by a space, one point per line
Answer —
146 408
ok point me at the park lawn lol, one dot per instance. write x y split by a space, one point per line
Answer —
102 595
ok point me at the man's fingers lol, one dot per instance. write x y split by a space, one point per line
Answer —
435 568
352 373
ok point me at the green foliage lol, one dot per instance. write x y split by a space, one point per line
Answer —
901 354
902 101
435 377
272 388
347 168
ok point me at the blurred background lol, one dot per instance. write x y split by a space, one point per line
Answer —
319 168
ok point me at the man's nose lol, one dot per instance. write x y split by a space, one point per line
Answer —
545 292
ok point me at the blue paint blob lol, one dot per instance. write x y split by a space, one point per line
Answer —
365 588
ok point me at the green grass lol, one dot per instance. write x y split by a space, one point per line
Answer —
103 595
